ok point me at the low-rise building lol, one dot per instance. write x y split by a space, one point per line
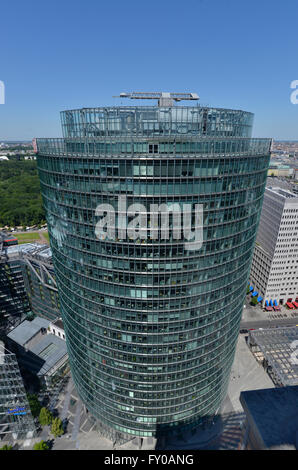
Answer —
276 169
39 351
271 419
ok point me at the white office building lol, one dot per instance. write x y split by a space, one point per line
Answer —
274 271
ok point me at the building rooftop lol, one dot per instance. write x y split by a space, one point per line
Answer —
51 350
27 329
47 351
32 249
7 238
274 414
279 346
286 193
279 182
58 323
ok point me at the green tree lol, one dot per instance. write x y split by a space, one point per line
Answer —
45 417
6 447
34 404
57 428
20 196
42 445
254 301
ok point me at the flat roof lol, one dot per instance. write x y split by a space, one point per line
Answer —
27 329
285 193
23 248
43 252
51 350
274 413
6 236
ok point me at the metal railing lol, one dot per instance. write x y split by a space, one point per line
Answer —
106 146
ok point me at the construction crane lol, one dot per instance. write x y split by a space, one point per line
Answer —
164 99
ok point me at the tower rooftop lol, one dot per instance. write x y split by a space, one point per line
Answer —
165 99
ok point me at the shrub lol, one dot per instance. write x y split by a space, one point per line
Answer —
45 417
42 445
57 427
254 301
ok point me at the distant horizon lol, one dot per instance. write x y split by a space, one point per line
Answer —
27 141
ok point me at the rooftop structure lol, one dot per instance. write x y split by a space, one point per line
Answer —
272 418
39 351
7 240
164 99
27 330
52 350
277 350
58 323
57 328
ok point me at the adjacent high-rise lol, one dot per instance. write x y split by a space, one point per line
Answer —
274 272
14 304
151 326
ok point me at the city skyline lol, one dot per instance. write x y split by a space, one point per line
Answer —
59 56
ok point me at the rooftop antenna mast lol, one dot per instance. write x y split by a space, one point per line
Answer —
164 99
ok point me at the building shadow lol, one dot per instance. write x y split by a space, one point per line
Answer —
222 432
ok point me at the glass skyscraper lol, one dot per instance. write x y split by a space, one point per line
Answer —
151 326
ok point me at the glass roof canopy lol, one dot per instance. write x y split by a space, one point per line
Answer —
280 349
149 121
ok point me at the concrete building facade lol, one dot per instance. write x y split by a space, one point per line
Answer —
274 270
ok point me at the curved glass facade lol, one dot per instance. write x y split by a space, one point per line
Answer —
151 327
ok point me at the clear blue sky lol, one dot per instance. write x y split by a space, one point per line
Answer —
57 55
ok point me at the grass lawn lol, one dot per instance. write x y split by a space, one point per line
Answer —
46 235
30 237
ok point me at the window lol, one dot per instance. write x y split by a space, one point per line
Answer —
153 148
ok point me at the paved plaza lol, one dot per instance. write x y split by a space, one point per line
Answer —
225 433
257 313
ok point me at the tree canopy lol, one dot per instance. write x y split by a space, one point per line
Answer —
45 417
57 427
42 445
20 196
34 404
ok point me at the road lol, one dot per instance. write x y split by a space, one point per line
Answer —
268 323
